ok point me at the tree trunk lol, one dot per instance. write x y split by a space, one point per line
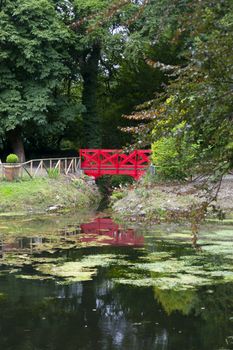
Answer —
16 143
91 120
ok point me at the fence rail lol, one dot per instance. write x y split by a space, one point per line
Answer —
42 167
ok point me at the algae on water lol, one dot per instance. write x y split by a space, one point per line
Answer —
167 262
174 266
73 271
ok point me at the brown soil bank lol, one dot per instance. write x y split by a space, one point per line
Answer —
148 201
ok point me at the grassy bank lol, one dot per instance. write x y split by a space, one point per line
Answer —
151 201
43 194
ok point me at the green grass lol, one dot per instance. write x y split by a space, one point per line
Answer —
14 190
39 194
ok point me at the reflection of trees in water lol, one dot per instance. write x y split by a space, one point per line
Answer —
126 318
101 315
210 310
183 301
81 316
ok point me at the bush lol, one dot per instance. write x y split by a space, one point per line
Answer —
174 158
12 158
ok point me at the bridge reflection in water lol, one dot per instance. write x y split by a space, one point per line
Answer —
101 230
112 233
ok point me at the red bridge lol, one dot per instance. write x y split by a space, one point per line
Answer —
98 162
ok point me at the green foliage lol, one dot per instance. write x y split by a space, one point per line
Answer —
53 173
199 91
203 91
96 49
174 158
108 184
12 158
61 61
33 51
103 33
129 86
70 69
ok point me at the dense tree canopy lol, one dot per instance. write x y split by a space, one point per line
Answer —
32 56
196 105
71 69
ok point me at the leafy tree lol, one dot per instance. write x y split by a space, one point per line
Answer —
53 54
199 94
102 30
120 94
32 68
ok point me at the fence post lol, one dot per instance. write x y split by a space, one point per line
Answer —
152 169
66 166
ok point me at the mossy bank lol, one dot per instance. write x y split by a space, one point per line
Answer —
45 194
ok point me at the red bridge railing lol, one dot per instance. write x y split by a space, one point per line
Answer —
98 162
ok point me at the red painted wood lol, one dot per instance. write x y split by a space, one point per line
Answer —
98 162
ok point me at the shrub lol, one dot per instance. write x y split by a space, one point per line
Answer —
174 158
12 158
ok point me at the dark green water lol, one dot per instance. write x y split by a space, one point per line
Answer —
103 313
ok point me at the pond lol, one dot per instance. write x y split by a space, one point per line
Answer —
80 282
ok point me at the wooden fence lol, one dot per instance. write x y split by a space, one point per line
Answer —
43 167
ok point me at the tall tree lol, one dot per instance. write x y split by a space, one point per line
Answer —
196 105
32 40
102 29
